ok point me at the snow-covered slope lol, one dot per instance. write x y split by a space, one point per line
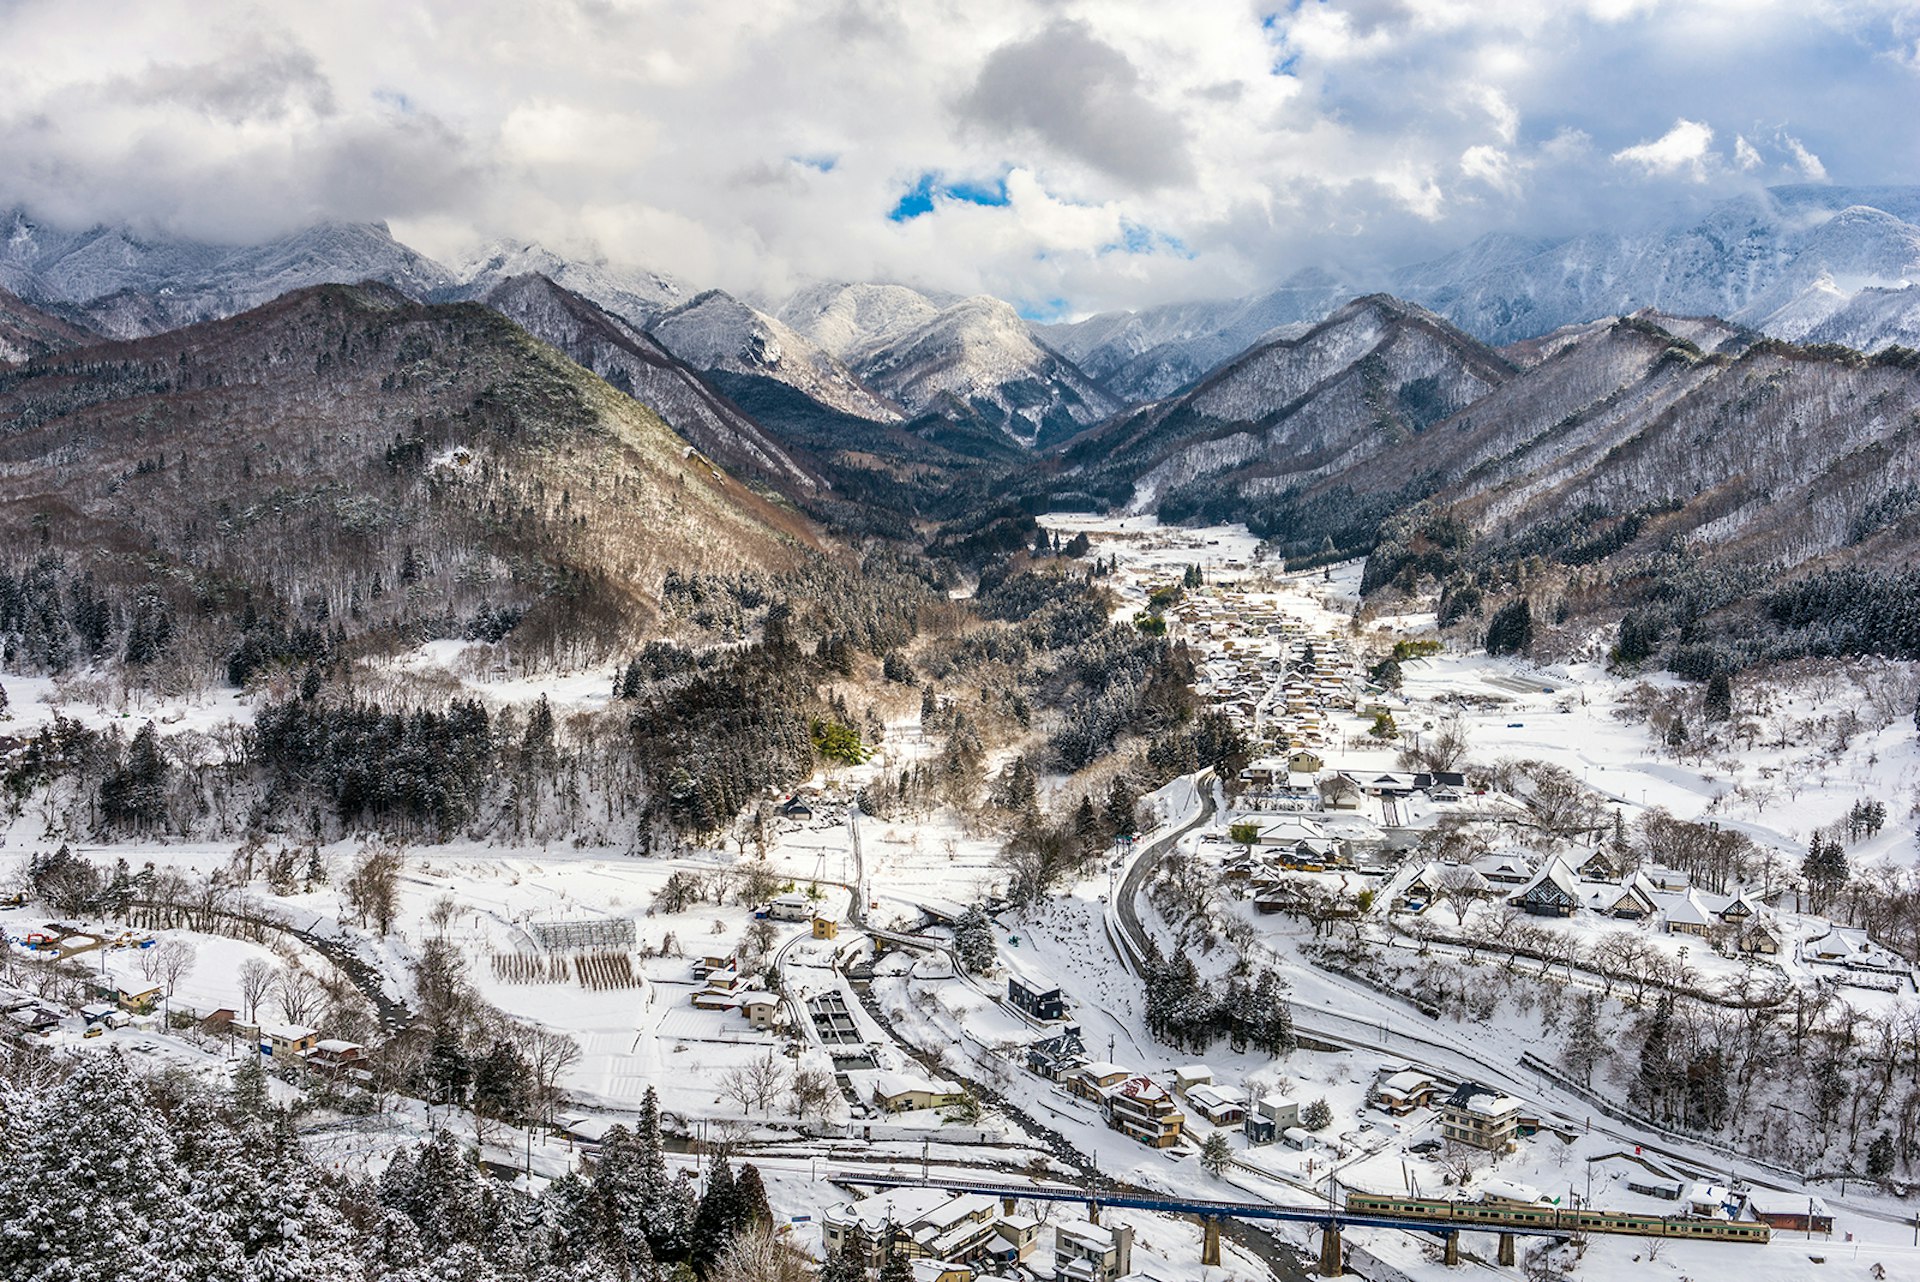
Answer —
27 331
979 359
1375 373
1150 354
847 317
716 331
635 295
131 284
1781 260
633 362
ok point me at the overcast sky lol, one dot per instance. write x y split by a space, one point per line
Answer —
1066 156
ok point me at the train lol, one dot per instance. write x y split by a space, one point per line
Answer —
1498 1215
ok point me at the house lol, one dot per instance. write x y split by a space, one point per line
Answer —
1404 1091
1709 1201
940 1271
97 1012
1789 1211
1258 1129
287 1041
795 808
826 928
759 1008
1601 865
1737 910
1505 868
1506 1192
1632 901
33 1019
1054 1057
792 906
919 1223
134 996
1014 1238
1216 1105
1037 999
1093 1077
1687 915
1481 1117
714 962
1141 1108
335 1057
1756 938
1552 892
1188 1076
898 1092
1087 1252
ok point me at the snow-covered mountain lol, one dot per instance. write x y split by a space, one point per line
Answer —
1375 373
1150 354
849 317
633 294
716 331
978 359
632 361
132 284
1782 260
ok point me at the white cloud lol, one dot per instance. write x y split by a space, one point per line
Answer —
751 146
1685 148
1810 167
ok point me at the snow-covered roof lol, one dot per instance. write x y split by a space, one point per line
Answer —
1554 875
1687 909
289 1032
1505 1190
1102 1068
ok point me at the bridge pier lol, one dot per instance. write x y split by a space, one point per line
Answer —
1008 1205
1332 1259
1093 1212
1506 1249
1451 1257
1210 1240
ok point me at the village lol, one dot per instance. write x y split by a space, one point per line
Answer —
839 1027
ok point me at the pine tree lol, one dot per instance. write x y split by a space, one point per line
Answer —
1880 1156
1719 697
1317 1116
1586 1040
973 940
1121 808
849 1263
896 1267
502 1082
714 1221
752 1213
92 1187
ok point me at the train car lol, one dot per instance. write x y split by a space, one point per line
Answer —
1490 1215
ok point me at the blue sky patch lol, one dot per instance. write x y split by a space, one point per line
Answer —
920 198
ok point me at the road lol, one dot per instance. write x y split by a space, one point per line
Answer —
1125 910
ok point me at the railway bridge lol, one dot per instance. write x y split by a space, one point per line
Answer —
1444 1219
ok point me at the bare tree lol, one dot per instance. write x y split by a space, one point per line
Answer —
444 910
300 993
813 1093
175 958
373 890
1458 887
549 1054
758 1256
754 1084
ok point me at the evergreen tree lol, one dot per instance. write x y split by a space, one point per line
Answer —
1086 827
849 1263
447 1072
1317 1116
896 1267
502 1082
973 940
1121 807
752 1213
1586 1040
92 1188
715 1220
1510 631
1719 697
1880 1156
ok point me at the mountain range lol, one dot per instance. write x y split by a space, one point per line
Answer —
1622 403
